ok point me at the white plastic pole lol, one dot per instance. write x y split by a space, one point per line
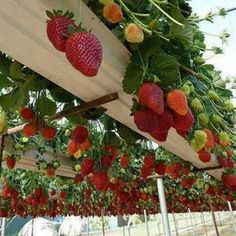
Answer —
191 219
163 206
88 225
123 225
175 223
232 215
129 224
3 228
146 222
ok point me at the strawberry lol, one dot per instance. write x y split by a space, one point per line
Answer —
43 200
160 168
87 166
27 113
159 136
145 172
213 95
231 182
146 121
183 122
78 178
49 133
223 161
58 28
197 105
10 162
50 172
73 147
216 119
63 194
231 163
29 130
112 13
38 192
84 52
100 180
149 160
107 161
177 101
204 156
134 33
203 119
166 121
80 134
85 145
224 139
124 161
210 139
229 153
182 133
152 97
111 150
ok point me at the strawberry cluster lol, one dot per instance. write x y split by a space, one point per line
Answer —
83 50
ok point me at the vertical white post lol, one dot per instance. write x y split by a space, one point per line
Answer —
129 223
103 224
232 215
163 206
3 228
191 219
123 225
88 225
146 222
175 223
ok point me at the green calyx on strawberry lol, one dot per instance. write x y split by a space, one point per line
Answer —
84 52
223 136
216 119
213 95
203 119
199 60
58 27
3 122
197 105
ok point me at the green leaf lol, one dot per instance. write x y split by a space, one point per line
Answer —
37 83
94 114
111 138
46 106
132 79
5 102
15 70
60 95
4 82
5 63
166 68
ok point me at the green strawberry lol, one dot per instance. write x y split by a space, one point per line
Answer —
223 136
186 89
197 146
216 119
213 96
200 136
77 167
3 122
228 105
203 119
68 133
43 166
199 60
197 105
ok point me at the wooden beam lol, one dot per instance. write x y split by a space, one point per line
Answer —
26 18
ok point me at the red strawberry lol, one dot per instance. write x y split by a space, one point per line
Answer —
152 97
124 161
231 163
177 101
107 161
229 153
205 157
146 121
100 180
80 134
159 136
84 52
10 162
111 150
43 200
29 130
73 147
165 121
160 168
57 29
223 162
27 113
38 192
63 194
182 133
87 166
231 182
145 172
49 133
149 160
210 139
78 178
50 172
183 122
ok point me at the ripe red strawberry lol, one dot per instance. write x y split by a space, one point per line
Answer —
124 161
146 121
84 52
210 139
177 101
29 130
58 29
50 172
10 162
231 182
183 122
87 166
38 192
78 178
149 160
182 133
73 147
111 150
43 200
100 180
63 194
231 163
159 136
49 133
80 134
160 168
27 113
107 161
229 153
205 157
152 97
223 162
145 172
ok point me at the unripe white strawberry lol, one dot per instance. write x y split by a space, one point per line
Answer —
133 33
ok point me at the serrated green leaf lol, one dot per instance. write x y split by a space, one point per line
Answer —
111 138
132 79
15 70
46 106
37 83
4 82
60 95
166 68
